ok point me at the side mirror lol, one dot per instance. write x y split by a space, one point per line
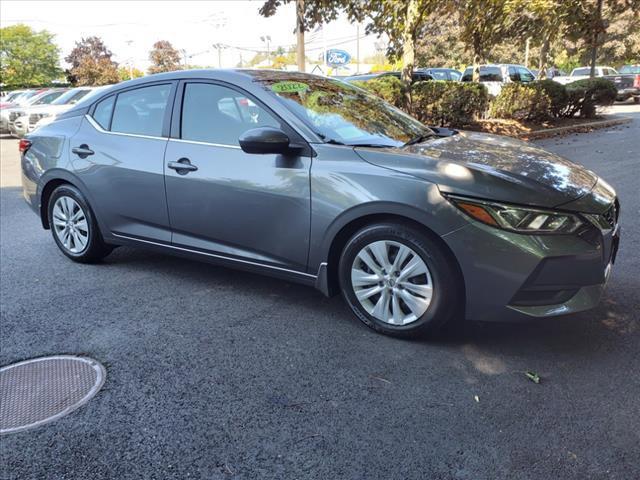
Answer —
264 140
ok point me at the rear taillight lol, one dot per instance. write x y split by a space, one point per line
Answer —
24 145
636 82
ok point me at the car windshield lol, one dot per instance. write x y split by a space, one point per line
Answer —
71 96
581 72
630 69
342 113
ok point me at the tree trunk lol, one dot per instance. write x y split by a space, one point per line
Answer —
597 24
544 53
408 48
476 68
300 35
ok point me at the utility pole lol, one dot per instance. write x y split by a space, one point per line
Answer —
267 39
184 56
129 42
357 48
597 27
219 47
300 56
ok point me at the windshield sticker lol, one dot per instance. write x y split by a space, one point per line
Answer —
289 87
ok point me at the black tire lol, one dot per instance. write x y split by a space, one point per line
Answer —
636 99
448 291
96 248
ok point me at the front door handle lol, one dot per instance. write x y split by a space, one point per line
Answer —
182 166
83 151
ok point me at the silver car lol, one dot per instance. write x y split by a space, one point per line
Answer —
316 181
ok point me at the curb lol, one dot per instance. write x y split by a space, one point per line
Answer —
552 132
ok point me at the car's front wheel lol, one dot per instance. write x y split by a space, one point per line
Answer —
74 226
399 281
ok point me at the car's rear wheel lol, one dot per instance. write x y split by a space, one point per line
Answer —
74 226
399 280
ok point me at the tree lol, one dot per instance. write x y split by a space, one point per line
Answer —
309 14
27 58
129 73
401 21
91 63
164 58
484 24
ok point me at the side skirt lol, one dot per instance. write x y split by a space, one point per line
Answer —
217 259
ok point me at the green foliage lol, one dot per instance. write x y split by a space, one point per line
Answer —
389 88
557 94
128 74
91 63
448 104
27 58
521 101
585 95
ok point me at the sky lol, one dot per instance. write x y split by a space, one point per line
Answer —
129 28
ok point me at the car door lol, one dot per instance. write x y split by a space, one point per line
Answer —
254 207
525 75
118 154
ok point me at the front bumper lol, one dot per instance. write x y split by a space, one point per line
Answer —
515 277
625 93
19 127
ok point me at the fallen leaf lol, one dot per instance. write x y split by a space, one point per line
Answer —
533 376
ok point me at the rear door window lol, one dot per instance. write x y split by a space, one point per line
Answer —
141 111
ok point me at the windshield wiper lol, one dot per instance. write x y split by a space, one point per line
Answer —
419 138
332 141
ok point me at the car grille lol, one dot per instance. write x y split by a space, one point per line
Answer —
35 118
14 115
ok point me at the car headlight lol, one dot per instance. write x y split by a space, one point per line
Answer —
517 218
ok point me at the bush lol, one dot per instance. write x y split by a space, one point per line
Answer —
389 88
556 92
448 104
585 95
521 101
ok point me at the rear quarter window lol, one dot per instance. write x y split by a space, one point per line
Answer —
102 112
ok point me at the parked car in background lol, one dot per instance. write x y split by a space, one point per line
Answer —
418 76
494 76
21 97
581 73
45 97
414 226
627 81
450 74
32 115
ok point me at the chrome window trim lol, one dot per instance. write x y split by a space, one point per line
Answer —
215 255
195 142
97 126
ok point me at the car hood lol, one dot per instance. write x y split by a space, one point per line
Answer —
489 166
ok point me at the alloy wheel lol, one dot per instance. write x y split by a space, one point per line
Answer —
392 282
70 224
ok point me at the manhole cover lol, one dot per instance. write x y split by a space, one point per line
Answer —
42 390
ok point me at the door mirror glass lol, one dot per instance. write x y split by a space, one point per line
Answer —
264 140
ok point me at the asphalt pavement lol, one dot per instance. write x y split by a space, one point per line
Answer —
218 374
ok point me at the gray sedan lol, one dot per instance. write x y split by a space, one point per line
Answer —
316 181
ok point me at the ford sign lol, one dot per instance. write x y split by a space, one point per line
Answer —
337 58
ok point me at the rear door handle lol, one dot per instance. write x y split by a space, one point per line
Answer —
182 166
83 151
